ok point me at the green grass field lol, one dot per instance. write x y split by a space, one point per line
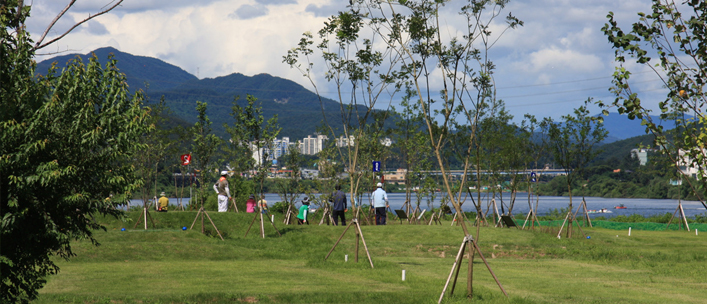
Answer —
168 265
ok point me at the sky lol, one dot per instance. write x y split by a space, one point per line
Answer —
546 68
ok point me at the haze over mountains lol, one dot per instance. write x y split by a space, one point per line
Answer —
299 110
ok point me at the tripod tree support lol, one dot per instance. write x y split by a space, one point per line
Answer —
359 233
468 241
202 212
262 227
145 214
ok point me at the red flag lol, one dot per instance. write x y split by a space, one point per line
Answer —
186 159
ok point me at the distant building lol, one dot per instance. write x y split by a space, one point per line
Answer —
641 154
686 166
313 145
397 177
268 153
344 142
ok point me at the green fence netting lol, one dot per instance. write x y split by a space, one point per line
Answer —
675 225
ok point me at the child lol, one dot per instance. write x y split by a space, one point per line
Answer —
303 212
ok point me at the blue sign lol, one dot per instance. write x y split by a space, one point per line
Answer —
376 166
532 177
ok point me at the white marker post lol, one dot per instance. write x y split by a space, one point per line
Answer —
403 274
346 258
629 231
695 231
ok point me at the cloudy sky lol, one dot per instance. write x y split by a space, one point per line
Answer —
548 67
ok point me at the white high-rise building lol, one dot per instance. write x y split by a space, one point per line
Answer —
279 147
344 142
313 145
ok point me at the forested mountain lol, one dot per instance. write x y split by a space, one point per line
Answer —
299 110
138 70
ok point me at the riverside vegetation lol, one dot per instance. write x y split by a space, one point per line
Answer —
168 265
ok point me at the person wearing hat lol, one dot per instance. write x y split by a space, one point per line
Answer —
380 202
224 194
163 202
303 212
250 204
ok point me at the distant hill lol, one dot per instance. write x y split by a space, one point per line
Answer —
138 70
299 110
620 127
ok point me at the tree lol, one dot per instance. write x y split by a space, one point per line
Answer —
250 130
676 35
573 144
415 151
66 143
204 147
352 65
410 54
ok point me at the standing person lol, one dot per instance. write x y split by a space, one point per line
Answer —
380 202
163 202
263 204
338 200
250 204
224 194
303 212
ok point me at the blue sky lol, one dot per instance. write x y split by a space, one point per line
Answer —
548 67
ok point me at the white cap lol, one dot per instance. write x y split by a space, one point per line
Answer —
224 172
379 185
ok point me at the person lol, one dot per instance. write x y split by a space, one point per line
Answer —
224 194
380 202
250 204
163 202
303 212
338 200
263 204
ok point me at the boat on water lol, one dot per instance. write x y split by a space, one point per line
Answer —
602 210
621 206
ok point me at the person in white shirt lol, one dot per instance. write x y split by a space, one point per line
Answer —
380 203
224 194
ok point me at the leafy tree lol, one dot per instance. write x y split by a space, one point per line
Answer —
414 146
354 65
573 144
66 144
251 132
670 40
204 147
410 54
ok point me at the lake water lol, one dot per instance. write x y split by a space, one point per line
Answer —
642 206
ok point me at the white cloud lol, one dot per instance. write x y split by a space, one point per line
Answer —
554 62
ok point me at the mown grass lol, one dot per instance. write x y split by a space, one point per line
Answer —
168 265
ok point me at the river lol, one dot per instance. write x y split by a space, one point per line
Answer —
641 206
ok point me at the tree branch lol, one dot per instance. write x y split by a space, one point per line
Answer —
39 44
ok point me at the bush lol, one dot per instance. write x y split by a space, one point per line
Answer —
280 207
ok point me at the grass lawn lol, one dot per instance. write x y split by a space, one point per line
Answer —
168 265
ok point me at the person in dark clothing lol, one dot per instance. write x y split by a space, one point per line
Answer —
338 200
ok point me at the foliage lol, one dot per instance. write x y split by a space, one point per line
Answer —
204 147
573 144
675 35
250 134
66 141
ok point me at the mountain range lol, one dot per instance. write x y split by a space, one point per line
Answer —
299 110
